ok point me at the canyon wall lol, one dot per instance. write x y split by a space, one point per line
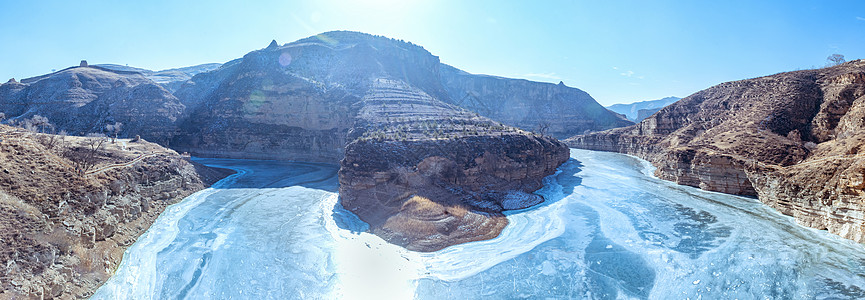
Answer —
64 231
792 139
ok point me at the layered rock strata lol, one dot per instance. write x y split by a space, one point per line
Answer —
793 139
426 175
63 231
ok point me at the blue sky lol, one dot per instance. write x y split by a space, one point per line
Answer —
618 51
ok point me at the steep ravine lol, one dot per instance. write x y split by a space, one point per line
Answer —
792 139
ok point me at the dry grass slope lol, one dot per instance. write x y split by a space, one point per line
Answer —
62 232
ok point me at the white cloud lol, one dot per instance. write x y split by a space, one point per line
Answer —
615 68
550 75
860 18
628 73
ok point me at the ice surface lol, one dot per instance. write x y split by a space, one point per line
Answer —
608 230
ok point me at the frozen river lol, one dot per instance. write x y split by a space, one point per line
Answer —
608 230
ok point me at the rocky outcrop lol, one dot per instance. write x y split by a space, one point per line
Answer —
547 108
426 175
82 100
794 140
63 231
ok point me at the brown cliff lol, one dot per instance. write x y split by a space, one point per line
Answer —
64 232
426 175
793 139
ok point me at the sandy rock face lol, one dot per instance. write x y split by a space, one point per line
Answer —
793 139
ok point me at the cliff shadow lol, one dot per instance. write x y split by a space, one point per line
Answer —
557 186
266 174
347 220
568 178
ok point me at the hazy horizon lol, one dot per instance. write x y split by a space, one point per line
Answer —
617 53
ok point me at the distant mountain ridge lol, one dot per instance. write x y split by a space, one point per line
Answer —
633 110
84 99
554 109
171 79
167 75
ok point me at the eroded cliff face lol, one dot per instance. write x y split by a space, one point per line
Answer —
82 100
295 101
553 109
262 112
64 232
426 175
792 139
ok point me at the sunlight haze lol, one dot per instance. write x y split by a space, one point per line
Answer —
619 52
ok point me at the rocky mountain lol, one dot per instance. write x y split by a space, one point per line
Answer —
375 103
84 99
63 229
345 96
555 109
648 108
171 79
794 140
